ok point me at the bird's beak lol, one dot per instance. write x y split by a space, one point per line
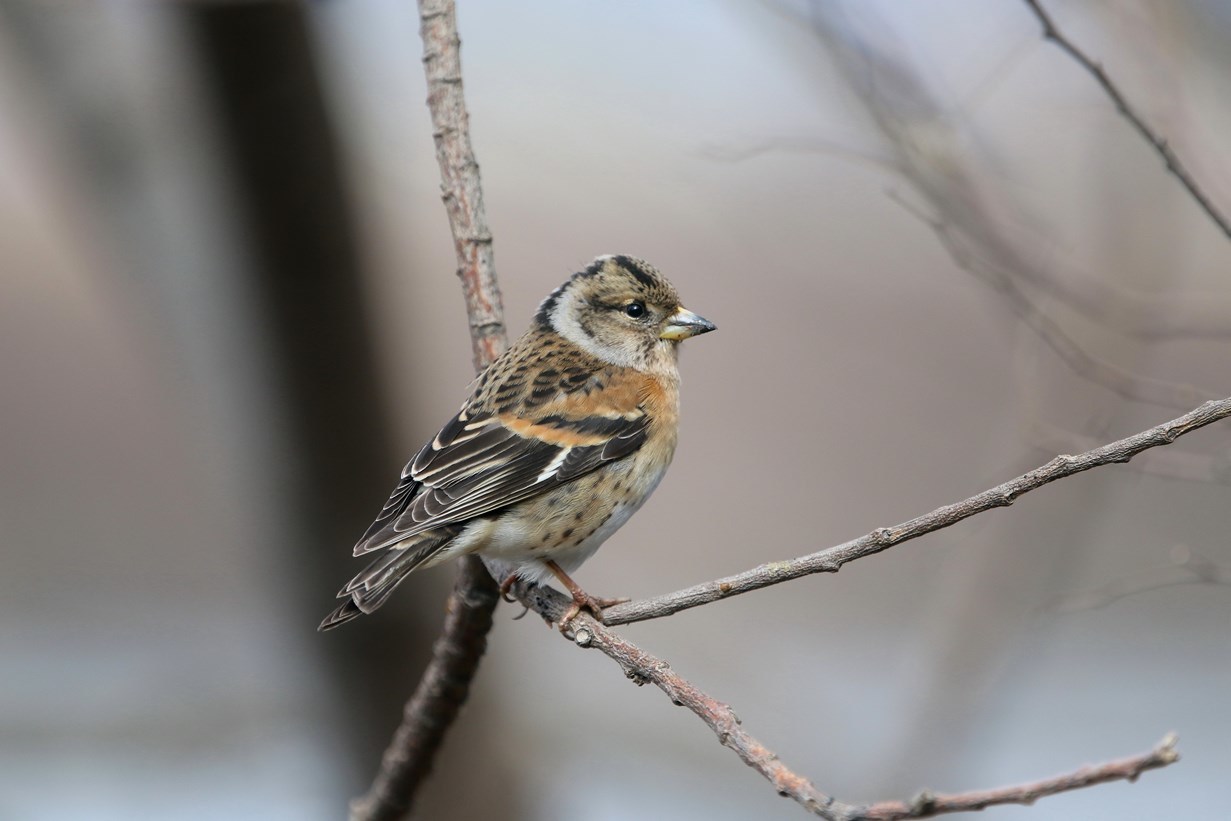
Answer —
683 324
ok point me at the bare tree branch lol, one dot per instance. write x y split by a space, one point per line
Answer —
445 684
1160 145
439 696
1212 467
928 804
459 175
642 667
831 559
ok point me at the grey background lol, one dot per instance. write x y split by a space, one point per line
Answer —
156 610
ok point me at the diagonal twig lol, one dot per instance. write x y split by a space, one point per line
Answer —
439 696
1164 149
831 559
927 804
1211 467
1186 567
1128 385
445 683
948 170
642 668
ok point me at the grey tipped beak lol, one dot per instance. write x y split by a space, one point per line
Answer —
684 323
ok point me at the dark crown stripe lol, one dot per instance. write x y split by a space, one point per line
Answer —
637 268
591 270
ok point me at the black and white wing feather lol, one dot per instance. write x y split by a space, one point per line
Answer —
480 463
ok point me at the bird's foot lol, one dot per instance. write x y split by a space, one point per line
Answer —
581 599
506 586
594 605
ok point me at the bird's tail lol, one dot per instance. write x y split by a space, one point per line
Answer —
372 587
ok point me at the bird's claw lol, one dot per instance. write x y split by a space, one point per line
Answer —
594 605
506 586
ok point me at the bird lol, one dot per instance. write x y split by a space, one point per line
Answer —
563 438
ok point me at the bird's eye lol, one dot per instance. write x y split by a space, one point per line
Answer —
635 309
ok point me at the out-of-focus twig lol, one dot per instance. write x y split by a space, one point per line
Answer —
1164 149
942 159
832 559
445 684
1100 372
1187 567
642 668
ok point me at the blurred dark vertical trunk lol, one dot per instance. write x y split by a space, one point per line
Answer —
257 62
266 151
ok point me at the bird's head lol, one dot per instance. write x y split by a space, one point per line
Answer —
622 310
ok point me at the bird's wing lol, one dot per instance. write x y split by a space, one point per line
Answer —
481 462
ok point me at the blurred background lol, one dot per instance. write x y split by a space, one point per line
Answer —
937 258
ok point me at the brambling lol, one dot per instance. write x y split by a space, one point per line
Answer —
564 437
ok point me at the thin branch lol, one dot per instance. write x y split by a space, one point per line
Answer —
1115 379
927 804
642 667
445 684
439 696
1186 466
1160 144
459 176
832 559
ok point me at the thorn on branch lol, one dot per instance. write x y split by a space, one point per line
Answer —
1166 751
923 803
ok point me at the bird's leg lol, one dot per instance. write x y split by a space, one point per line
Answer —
506 586
581 599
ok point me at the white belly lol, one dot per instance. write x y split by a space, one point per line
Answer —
517 537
